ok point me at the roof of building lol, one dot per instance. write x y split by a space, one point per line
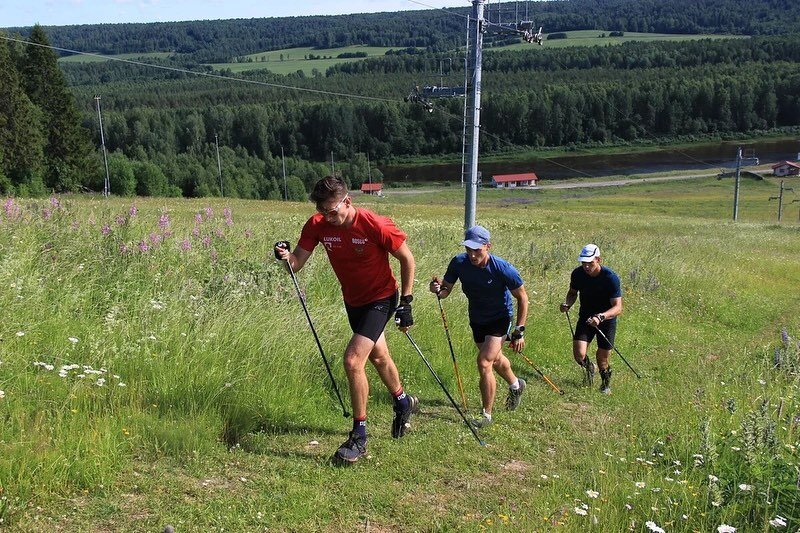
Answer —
367 187
786 163
505 178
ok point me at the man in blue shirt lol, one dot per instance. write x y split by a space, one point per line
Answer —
489 282
601 304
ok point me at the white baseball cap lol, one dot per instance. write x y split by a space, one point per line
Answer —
588 253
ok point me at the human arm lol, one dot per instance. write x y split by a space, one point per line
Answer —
614 311
440 288
295 259
569 300
517 337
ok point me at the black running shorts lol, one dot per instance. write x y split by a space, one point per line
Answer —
585 332
370 320
497 328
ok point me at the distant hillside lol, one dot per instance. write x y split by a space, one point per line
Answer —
437 30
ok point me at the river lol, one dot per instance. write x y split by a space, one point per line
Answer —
702 157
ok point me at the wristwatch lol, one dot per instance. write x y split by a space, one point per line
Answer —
601 317
407 299
521 329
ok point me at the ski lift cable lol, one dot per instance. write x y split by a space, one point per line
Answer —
204 74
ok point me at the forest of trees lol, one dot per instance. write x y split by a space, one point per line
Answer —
160 125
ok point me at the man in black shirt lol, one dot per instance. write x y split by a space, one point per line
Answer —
601 303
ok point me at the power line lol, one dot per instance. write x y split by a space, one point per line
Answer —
204 74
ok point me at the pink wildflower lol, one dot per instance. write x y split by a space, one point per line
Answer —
143 247
106 229
132 211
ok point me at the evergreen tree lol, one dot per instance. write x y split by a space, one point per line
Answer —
68 152
21 141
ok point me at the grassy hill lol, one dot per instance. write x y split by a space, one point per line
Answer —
214 410
593 38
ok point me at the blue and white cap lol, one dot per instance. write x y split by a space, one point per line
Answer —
588 253
475 237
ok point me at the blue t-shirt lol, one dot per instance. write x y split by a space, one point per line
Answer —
487 289
595 293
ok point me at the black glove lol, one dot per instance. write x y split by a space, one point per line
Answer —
515 335
402 315
281 244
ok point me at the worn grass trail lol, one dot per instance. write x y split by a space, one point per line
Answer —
215 412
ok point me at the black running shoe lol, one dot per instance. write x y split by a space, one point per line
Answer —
401 421
353 449
605 376
515 396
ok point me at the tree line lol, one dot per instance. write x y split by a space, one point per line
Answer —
437 30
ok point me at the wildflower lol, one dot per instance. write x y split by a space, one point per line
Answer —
592 494
20 334
105 230
639 484
248 233
123 248
47 213
54 202
121 384
155 238
120 220
712 478
198 218
785 337
778 521
73 340
653 527
100 382
2 395
209 212
685 517
132 211
218 233
580 511
206 241
762 382
744 487
725 528
195 232
628 506
213 255
143 246
543 476
735 448
186 245
163 221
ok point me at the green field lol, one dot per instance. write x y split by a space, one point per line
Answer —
290 60
78 58
215 412
593 38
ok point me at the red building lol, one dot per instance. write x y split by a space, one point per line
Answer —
786 168
510 181
372 188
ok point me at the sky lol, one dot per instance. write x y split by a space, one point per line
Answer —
16 13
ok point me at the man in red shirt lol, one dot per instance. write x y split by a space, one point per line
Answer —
358 243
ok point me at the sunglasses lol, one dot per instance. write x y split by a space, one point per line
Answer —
334 209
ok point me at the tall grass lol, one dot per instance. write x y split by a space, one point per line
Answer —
156 367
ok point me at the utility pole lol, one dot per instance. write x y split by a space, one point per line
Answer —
369 173
780 199
476 58
736 184
285 190
219 166
333 168
752 159
107 182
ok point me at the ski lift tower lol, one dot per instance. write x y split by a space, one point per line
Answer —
477 27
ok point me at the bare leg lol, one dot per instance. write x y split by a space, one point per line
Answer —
490 357
355 360
579 349
602 358
384 364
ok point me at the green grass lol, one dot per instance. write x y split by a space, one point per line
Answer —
79 58
593 38
294 59
226 419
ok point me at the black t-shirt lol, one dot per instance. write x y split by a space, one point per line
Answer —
595 293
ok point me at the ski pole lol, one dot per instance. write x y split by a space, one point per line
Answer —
553 385
618 352
285 244
452 354
439 381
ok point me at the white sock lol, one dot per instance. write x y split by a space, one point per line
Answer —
485 414
515 385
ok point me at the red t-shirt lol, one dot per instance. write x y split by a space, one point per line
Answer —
359 254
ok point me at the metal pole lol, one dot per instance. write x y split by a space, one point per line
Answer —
780 203
285 190
219 167
736 184
476 31
333 168
369 173
107 182
464 121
